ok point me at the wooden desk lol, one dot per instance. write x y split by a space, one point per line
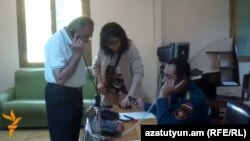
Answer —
134 134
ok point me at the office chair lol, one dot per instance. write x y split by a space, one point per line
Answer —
245 94
219 103
237 113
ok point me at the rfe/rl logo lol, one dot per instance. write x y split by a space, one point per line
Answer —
12 117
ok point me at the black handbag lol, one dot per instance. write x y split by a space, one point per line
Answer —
111 70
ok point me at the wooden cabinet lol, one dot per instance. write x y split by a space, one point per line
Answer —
228 67
228 80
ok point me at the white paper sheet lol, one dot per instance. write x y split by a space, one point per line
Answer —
137 115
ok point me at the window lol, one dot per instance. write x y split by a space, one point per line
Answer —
38 19
240 27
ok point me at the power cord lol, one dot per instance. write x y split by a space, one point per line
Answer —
140 121
97 103
97 96
147 112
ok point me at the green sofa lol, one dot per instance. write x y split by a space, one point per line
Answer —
26 98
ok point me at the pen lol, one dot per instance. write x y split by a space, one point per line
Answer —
131 118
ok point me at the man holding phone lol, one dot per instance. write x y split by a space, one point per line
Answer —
180 101
65 76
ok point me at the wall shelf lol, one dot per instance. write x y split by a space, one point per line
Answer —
228 67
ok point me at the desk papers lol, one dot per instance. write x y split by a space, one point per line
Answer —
137 115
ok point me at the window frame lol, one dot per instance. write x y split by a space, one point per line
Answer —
21 27
234 29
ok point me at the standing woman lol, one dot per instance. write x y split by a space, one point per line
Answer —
118 66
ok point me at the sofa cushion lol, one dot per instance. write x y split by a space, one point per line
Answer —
26 108
27 98
29 84
89 89
33 112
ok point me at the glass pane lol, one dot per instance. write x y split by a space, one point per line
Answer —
67 10
243 27
38 28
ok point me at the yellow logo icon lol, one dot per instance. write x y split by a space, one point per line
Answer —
15 121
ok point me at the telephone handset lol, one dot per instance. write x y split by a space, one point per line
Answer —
72 34
181 78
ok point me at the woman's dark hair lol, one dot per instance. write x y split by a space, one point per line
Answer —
110 30
182 68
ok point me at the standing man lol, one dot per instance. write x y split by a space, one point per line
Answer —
65 74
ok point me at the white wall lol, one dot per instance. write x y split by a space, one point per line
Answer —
200 22
9 60
137 19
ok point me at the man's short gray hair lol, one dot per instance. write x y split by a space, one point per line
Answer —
80 22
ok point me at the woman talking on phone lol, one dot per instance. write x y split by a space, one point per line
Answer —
118 67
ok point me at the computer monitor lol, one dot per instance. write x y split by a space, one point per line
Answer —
173 50
165 53
182 50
